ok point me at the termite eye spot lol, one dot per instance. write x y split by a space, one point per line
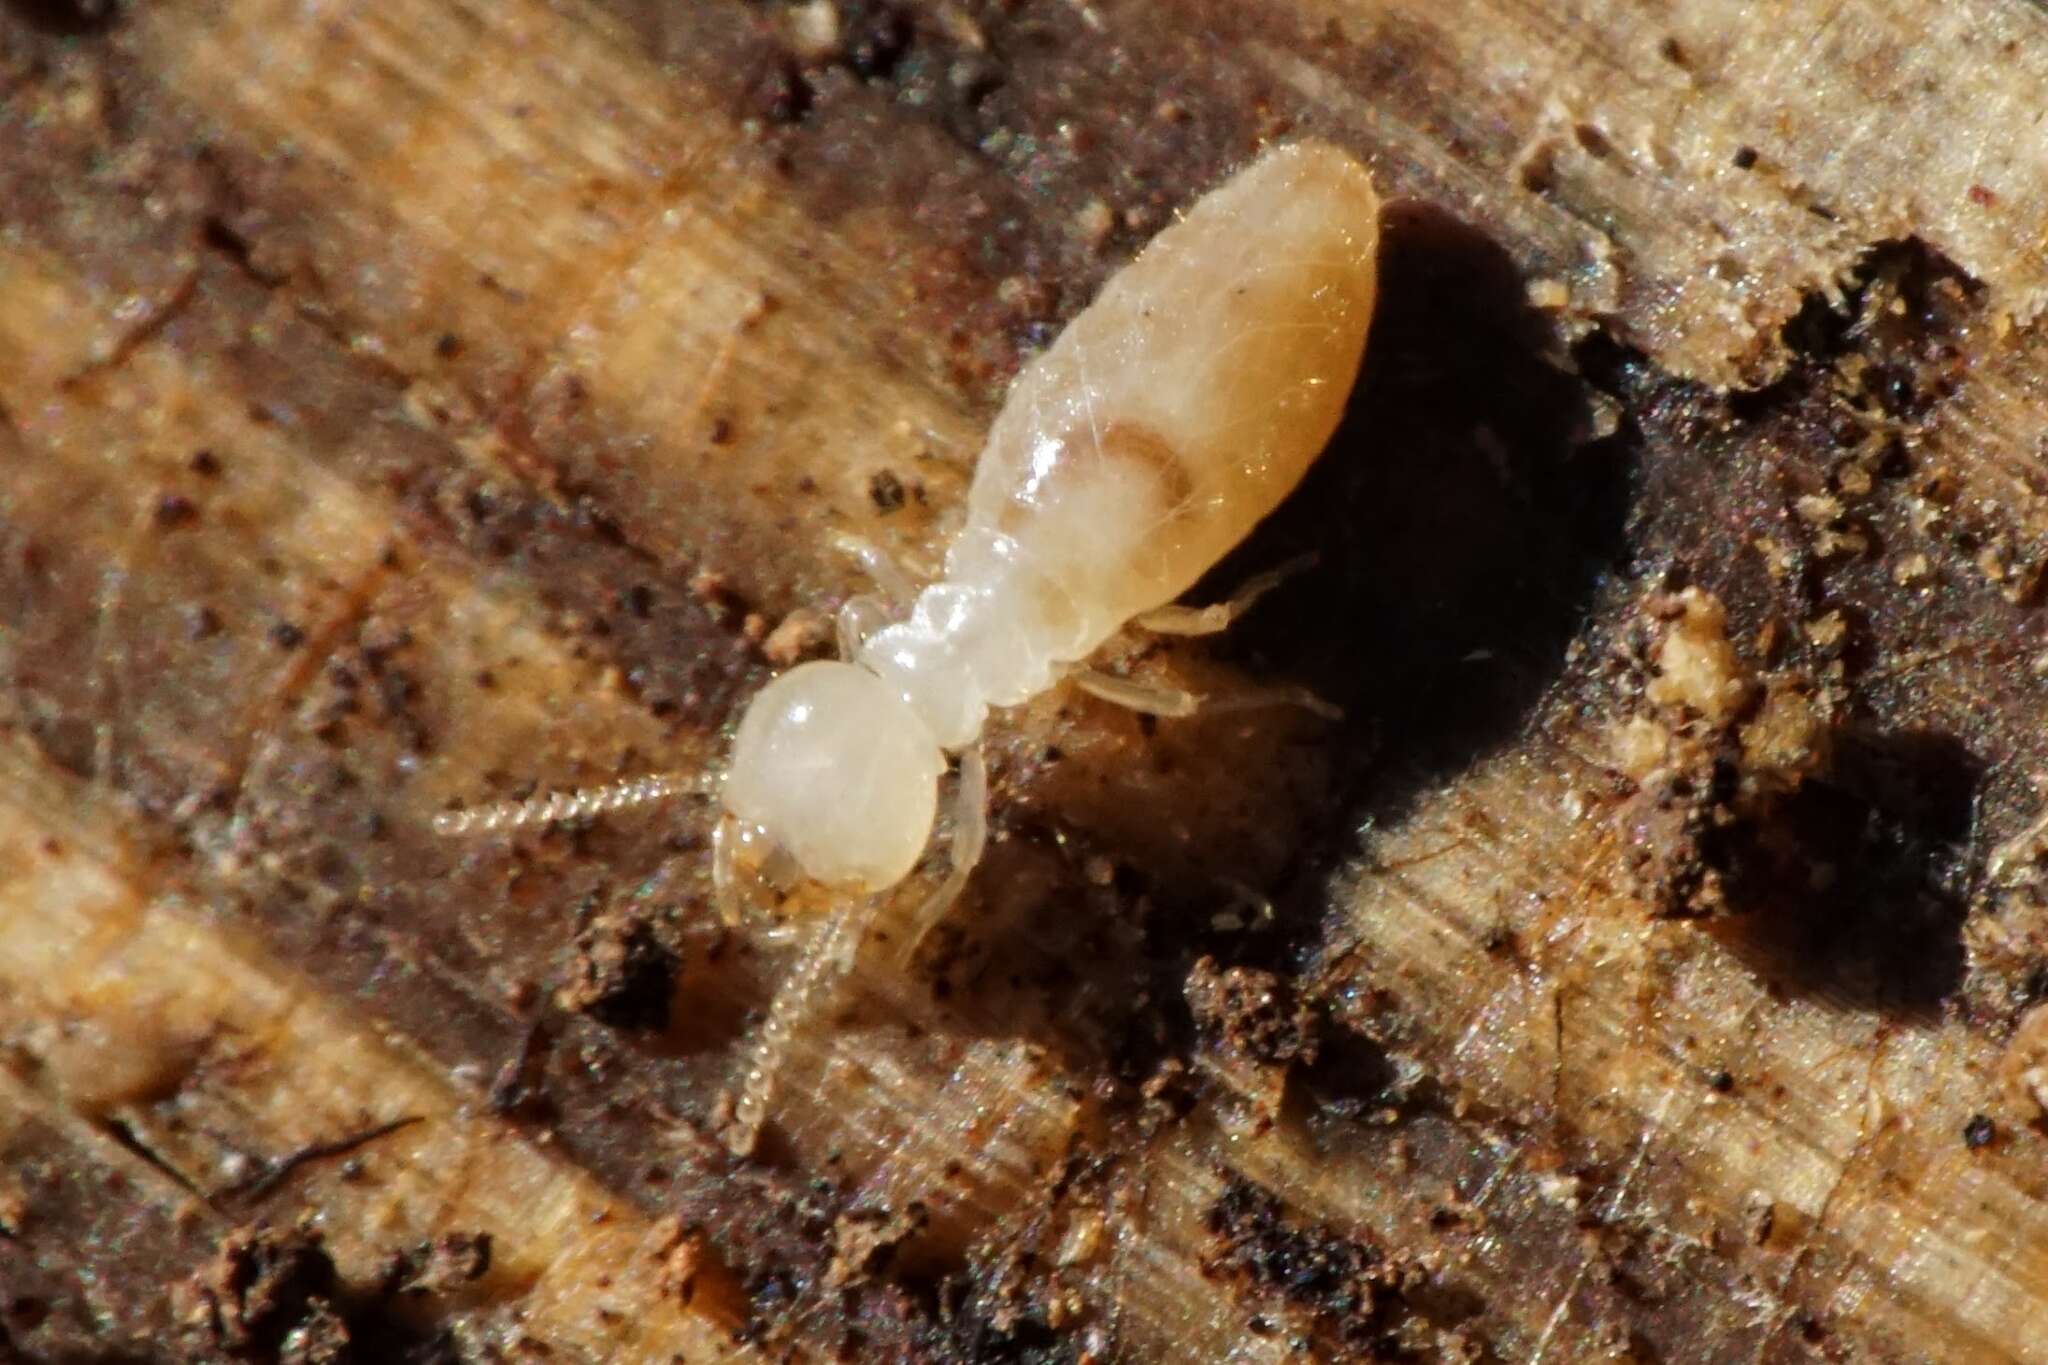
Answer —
836 769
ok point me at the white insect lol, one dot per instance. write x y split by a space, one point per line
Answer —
1165 422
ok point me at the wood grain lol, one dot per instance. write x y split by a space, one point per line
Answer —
415 403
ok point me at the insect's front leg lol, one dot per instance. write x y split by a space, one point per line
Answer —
969 842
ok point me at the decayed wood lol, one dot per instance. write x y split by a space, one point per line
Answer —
406 403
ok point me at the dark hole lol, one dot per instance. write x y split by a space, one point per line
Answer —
1935 298
1591 137
1855 889
67 18
1351 1077
880 35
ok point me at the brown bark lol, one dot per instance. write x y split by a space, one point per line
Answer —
414 403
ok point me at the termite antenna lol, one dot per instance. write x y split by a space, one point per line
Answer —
568 805
809 988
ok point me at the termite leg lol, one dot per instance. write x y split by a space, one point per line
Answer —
1175 620
1147 699
970 840
1286 694
1151 699
859 618
878 566
725 870
808 989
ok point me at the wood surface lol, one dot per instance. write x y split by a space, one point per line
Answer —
420 403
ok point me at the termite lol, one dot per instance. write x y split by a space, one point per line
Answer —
1165 422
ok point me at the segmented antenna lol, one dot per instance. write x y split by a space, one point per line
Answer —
809 988
569 805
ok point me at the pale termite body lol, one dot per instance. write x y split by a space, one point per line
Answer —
1169 417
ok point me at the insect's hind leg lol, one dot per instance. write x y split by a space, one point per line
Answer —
1150 699
1177 620
969 842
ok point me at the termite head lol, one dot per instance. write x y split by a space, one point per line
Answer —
835 769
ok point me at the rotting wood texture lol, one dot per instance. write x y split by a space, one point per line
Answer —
415 402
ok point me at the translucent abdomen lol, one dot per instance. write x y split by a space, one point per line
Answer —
1166 421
